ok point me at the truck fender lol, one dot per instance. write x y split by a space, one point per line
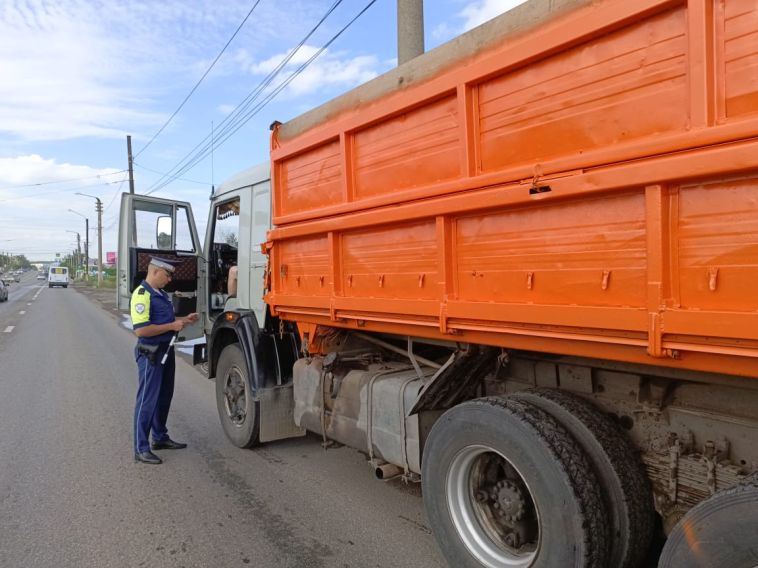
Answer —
239 327
269 354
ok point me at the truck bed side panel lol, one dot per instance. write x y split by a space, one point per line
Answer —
588 188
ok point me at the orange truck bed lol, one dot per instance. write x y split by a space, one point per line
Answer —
580 181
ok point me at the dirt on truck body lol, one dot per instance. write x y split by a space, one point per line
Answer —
542 238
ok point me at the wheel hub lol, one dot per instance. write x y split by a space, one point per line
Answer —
492 509
235 397
509 501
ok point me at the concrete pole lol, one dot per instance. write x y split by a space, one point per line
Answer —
99 209
131 163
99 243
78 252
86 249
410 29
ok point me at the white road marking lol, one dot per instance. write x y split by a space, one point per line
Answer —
9 328
22 312
29 304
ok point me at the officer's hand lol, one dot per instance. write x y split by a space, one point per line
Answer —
192 318
177 325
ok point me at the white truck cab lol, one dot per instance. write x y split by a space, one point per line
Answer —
239 217
249 353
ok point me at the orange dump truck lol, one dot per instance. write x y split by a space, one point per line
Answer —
523 267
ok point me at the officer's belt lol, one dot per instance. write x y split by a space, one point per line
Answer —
150 350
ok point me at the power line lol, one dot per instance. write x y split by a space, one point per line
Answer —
243 107
201 79
232 128
62 181
292 76
165 174
118 190
190 158
61 190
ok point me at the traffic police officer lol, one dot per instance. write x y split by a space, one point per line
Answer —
154 324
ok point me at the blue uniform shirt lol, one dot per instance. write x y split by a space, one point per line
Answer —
151 307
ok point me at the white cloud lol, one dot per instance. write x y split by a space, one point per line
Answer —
95 68
36 219
77 75
31 183
483 10
34 169
472 15
225 109
328 71
57 81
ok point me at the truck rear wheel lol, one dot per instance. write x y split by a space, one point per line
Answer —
237 410
627 493
720 531
505 485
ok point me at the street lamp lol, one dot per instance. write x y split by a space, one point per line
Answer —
86 244
99 209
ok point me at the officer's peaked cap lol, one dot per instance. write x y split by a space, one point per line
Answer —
164 263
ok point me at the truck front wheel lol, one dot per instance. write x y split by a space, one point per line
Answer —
504 485
237 410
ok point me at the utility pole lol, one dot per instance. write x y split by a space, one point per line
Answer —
78 252
410 29
86 244
99 209
131 163
86 249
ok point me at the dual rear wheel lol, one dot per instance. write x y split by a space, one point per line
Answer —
536 479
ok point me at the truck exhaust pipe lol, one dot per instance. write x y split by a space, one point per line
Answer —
387 471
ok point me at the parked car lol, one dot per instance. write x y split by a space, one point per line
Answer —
3 292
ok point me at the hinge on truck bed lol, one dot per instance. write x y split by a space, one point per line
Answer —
654 347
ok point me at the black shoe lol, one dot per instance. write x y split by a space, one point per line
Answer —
147 457
168 444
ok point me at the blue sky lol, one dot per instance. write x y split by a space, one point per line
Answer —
77 76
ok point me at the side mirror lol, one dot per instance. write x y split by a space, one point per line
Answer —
164 233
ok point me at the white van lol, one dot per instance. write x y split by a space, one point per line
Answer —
58 276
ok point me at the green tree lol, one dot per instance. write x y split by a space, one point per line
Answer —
230 238
164 241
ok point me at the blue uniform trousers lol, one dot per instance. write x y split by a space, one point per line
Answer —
156 388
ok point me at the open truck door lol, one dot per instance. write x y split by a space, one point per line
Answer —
150 226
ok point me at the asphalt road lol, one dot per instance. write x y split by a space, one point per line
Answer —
72 496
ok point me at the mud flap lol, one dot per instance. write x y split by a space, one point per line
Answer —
276 407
